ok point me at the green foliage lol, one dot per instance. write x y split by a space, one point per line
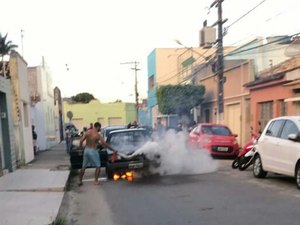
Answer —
83 97
6 46
179 99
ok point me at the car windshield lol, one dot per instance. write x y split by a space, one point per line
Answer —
128 142
216 130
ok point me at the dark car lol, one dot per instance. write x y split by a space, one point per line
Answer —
106 130
126 142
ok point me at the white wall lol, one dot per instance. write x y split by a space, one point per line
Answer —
25 131
44 111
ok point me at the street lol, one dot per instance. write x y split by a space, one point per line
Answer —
226 196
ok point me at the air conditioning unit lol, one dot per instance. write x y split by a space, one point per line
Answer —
207 37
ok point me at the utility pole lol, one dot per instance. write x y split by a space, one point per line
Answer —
220 60
135 88
22 42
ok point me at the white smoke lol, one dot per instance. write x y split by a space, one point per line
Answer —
176 157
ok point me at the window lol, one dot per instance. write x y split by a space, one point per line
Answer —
274 128
282 108
266 112
289 128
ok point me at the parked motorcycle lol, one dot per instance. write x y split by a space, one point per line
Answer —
244 158
247 160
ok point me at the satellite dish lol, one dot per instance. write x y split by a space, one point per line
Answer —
292 50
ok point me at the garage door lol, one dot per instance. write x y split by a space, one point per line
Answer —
115 121
233 119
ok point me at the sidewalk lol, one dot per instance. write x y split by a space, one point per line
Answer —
32 195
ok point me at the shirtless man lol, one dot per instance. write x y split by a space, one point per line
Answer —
91 156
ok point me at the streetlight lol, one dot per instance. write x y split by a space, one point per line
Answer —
191 48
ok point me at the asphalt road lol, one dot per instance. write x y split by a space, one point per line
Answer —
224 197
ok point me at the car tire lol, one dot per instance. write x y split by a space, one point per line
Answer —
258 171
297 176
109 172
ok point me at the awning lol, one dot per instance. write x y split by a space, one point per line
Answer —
296 99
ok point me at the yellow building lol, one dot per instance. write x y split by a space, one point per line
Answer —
117 113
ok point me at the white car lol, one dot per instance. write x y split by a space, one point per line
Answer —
278 148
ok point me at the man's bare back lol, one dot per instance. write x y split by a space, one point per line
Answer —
92 137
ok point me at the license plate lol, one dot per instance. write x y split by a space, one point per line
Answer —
222 149
135 165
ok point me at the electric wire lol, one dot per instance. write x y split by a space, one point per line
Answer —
245 14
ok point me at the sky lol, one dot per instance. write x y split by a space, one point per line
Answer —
86 42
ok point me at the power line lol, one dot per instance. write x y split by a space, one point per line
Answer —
252 48
234 53
279 13
245 14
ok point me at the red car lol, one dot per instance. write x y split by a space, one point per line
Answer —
216 138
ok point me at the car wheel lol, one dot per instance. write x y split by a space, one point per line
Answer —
258 171
297 176
109 172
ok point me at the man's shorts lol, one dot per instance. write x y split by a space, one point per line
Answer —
91 158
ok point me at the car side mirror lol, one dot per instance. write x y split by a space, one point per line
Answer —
294 137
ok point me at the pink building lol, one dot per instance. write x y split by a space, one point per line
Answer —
276 92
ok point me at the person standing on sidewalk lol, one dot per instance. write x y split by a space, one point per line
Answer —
34 137
91 156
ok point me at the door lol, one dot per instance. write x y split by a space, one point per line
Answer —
288 150
233 119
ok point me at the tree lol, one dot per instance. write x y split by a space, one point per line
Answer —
83 97
179 99
5 49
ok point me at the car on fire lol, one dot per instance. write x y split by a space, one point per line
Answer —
127 161
216 138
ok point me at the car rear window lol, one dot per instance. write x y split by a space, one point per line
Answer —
216 130
128 142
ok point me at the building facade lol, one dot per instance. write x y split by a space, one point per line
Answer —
276 92
106 113
7 137
171 66
43 111
21 109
